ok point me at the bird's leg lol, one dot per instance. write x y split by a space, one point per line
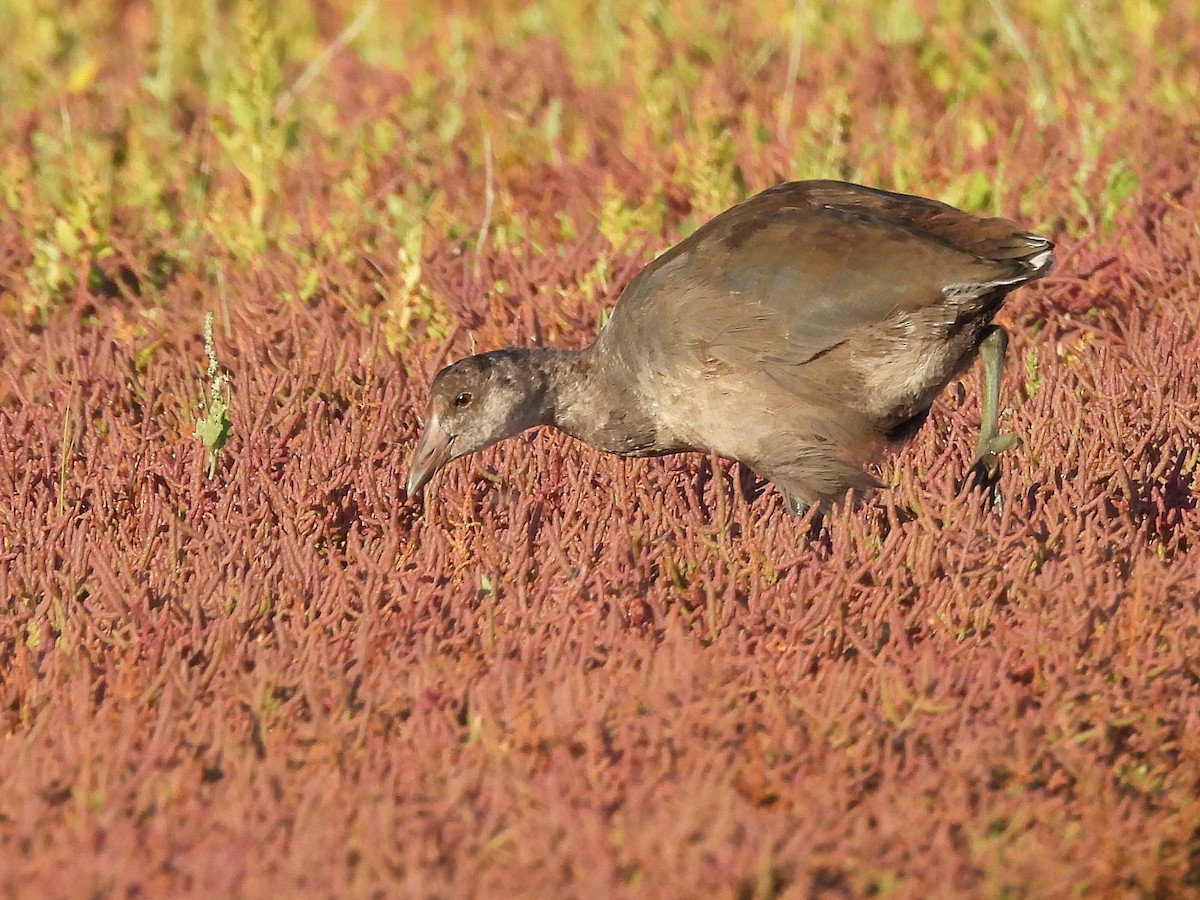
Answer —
794 505
985 473
794 501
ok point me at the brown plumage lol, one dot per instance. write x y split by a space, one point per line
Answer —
799 332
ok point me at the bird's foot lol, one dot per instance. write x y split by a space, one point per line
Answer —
984 475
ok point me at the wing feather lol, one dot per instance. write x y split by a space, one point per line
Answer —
798 270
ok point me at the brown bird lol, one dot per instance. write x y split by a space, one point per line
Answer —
799 332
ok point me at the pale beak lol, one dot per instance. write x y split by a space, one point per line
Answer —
433 452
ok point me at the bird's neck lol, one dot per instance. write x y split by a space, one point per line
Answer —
593 402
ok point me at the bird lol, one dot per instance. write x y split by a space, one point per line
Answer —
802 332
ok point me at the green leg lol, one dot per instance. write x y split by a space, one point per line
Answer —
986 471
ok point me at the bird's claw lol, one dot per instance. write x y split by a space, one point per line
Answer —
984 475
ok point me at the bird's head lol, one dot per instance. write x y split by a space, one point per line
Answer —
474 403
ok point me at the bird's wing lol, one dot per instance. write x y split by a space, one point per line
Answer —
796 271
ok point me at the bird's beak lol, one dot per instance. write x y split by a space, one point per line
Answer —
433 452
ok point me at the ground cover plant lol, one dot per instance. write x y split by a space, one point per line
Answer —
237 240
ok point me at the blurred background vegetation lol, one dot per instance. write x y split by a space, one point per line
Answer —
172 136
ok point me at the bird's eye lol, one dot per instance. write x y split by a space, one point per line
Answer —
463 399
